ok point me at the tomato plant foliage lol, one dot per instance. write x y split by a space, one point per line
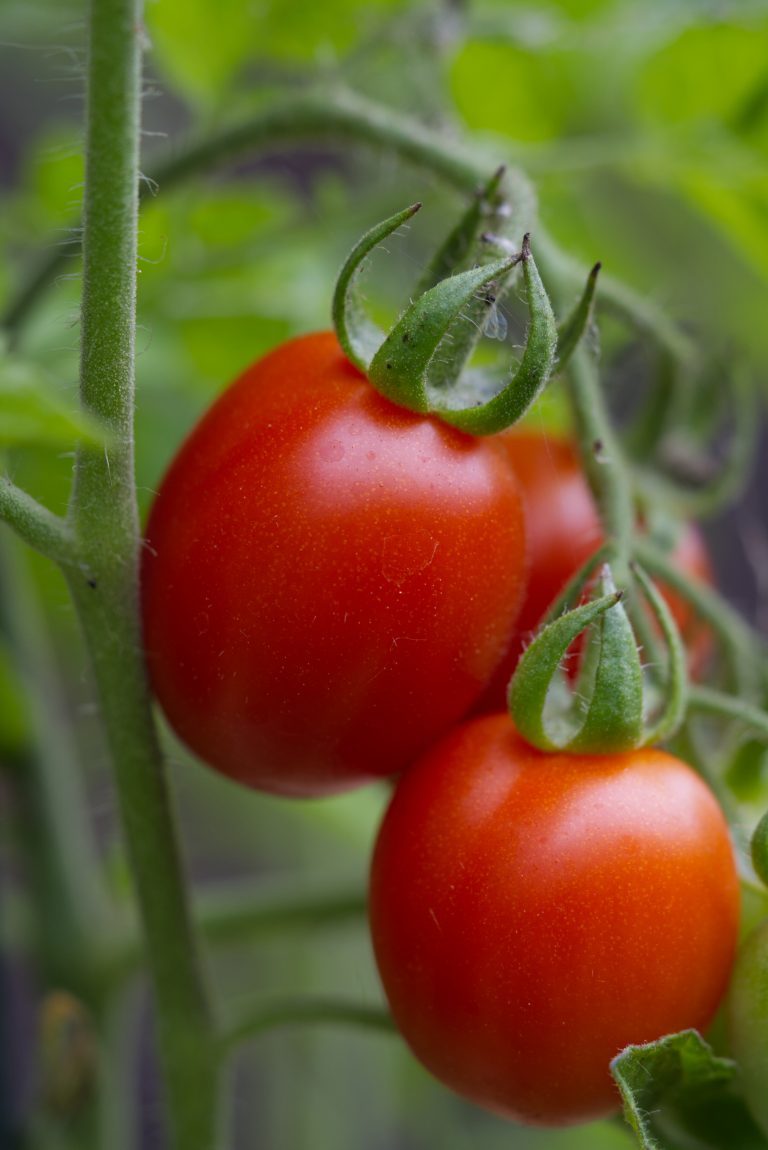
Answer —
532 914
315 610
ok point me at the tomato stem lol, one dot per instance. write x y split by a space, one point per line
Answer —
713 702
36 525
304 1012
232 913
743 651
103 516
601 457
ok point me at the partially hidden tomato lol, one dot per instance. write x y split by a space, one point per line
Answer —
532 914
329 581
562 530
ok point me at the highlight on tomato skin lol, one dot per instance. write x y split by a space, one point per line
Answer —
562 531
532 914
329 580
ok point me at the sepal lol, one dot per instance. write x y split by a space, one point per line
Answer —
358 335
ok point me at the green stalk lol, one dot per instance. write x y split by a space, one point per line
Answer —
35 524
743 651
711 702
304 1012
104 518
237 914
601 457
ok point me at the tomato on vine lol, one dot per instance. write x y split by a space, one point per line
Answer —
329 580
534 913
562 530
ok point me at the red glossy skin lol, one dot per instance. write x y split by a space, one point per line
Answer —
562 530
315 610
532 914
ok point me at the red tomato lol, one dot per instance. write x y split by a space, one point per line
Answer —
562 530
329 580
532 914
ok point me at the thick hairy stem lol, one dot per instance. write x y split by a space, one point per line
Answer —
103 516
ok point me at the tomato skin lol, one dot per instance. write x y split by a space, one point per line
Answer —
562 530
315 614
532 914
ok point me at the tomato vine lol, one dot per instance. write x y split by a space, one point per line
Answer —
98 543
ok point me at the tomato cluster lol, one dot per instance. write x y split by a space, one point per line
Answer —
330 584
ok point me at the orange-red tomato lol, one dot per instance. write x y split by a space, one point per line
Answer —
532 914
329 580
562 530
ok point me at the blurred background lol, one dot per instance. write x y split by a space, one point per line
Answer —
644 126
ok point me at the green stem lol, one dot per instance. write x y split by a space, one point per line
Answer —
35 524
560 268
711 702
244 911
104 518
601 457
305 1012
744 653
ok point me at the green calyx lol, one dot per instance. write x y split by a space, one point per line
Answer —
759 849
610 705
421 363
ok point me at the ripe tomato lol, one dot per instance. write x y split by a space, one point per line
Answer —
329 580
562 530
532 914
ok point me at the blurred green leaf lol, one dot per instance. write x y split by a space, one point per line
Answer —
201 46
740 213
302 31
13 714
502 88
32 411
706 73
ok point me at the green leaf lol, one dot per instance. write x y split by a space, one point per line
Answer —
739 212
746 771
678 1095
200 45
33 412
706 73
747 1009
294 30
501 88
13 724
